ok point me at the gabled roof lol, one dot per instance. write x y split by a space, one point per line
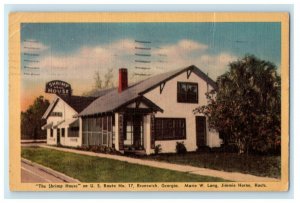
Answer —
78 103
113 99
50 108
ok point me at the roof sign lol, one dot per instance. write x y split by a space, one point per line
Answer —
58 87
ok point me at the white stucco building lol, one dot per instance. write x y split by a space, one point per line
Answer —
62 127
138 117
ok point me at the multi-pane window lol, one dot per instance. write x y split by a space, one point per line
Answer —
170 128
187 92
73 132
56 114
97 130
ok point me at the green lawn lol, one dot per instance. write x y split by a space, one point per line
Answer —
267 166
95 169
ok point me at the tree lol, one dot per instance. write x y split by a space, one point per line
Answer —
100 83
108 78
246 106
98 80
31 119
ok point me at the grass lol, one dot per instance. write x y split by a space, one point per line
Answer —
95 169
266 166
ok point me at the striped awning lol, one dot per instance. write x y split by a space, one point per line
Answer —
47 126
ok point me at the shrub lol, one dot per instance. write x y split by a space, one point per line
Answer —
157 149
98 149
85 148
230 147
180 148
94 148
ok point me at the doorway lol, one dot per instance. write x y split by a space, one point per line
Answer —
201 136
58 136
134 131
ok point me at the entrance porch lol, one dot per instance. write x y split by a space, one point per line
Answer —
133 131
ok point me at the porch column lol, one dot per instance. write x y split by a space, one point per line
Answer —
147 134
80 132
117 132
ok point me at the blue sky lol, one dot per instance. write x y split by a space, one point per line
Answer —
74 51
262 39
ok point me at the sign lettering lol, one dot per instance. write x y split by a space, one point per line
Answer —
58 87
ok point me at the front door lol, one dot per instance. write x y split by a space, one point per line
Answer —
58 136
201 131
137 130
133 136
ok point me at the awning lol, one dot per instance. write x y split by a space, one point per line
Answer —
58 123
47 126
74 123
68 123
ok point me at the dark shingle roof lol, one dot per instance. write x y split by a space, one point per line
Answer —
78 103
113 99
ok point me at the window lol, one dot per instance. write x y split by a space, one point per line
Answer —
128 140
104 123
51 132
99 124
96 130
187 92
63 132
85 124
58 132
170 128
73 132
56 114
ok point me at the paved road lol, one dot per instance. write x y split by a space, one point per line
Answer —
33 174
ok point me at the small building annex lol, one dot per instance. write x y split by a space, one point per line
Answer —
138 117
62 128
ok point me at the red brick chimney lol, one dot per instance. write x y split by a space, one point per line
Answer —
123 79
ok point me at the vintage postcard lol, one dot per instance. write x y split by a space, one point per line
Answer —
149 101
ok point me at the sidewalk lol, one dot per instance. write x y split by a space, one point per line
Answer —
233 176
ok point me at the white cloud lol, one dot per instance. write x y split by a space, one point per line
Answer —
182 49
215 65
189 45
187 52
82 64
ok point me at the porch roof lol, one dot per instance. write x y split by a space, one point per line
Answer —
70 123
58 123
